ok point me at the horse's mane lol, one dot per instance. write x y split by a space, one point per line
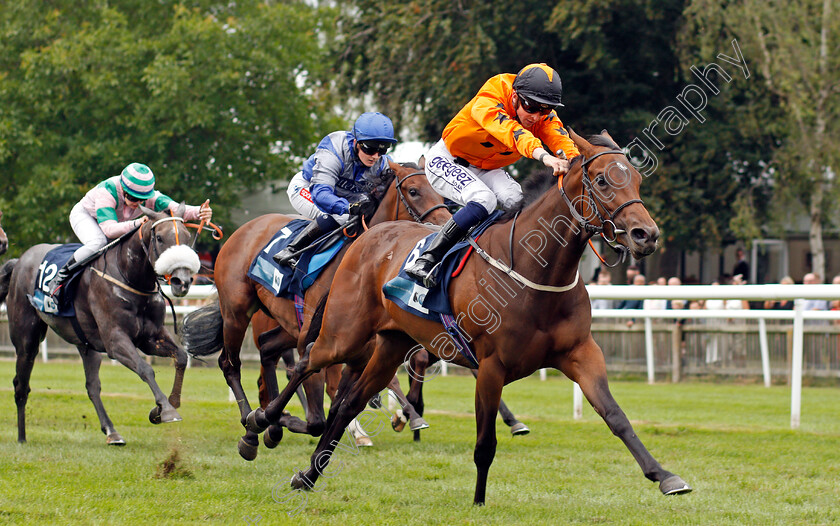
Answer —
540 181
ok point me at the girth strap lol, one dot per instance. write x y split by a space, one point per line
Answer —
120 284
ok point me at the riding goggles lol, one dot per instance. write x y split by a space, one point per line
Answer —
535 107
129 197
372 148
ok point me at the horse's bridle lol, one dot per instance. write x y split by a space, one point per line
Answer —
419 218
598 203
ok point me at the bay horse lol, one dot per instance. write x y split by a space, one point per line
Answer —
4 241
517 321
118 310
272 347
222 324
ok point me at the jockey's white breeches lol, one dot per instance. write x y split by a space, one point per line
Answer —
301 199
464 184
87 230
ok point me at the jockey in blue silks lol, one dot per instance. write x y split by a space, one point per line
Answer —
334 180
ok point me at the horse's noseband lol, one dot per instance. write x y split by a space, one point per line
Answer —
598 204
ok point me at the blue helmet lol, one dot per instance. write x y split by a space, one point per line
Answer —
373 126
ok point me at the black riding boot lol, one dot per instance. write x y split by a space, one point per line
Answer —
309 234
449 234
61 276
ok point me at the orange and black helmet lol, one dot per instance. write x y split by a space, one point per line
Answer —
539 83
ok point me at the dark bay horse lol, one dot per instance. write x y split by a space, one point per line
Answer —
530 312
118 310
271 345
222 325
4 241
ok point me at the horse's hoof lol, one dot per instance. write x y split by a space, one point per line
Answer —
246 450
417 424
115 439
363 441
398 423
270 440
297 482
674 485
519 429
154 415
170 415
251 421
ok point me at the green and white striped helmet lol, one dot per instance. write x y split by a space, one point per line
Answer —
138 180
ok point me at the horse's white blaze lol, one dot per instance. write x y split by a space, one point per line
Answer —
175 257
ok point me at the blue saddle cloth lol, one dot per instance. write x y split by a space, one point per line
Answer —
282 279
40 297
416 299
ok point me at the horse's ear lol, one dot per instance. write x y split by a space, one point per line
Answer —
606 134
421 162
583 145
182 208
154 216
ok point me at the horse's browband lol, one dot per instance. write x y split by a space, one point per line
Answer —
119 283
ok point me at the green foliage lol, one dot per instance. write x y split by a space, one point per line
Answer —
792 96
215 98
620 66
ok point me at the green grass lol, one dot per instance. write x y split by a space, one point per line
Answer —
732 443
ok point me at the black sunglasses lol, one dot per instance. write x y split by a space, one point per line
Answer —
129 197
534 107
371 148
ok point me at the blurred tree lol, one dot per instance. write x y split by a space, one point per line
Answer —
215 97
422 60
793 50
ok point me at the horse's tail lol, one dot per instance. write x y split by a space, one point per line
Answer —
6 278
201 331
315 324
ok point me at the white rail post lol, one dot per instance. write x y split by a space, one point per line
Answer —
796 366
444 368
765 351
44 352
543 375
649 349
577 402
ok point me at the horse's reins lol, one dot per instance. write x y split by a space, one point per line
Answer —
589 227
598 229
418 218
398 184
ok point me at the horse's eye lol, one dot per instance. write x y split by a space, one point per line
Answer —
158 239
601 181
413 192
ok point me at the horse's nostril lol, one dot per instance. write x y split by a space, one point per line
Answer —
639 235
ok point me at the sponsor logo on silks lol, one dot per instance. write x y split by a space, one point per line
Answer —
517 134
454 174
304 192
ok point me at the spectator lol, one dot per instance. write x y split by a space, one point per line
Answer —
835 305
604 278
741 266
782 304
661 281
675 304
813 279
632 272
638 280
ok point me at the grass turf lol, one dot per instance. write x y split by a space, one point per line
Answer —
732 443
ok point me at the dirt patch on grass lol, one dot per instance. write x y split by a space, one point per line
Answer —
173 467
